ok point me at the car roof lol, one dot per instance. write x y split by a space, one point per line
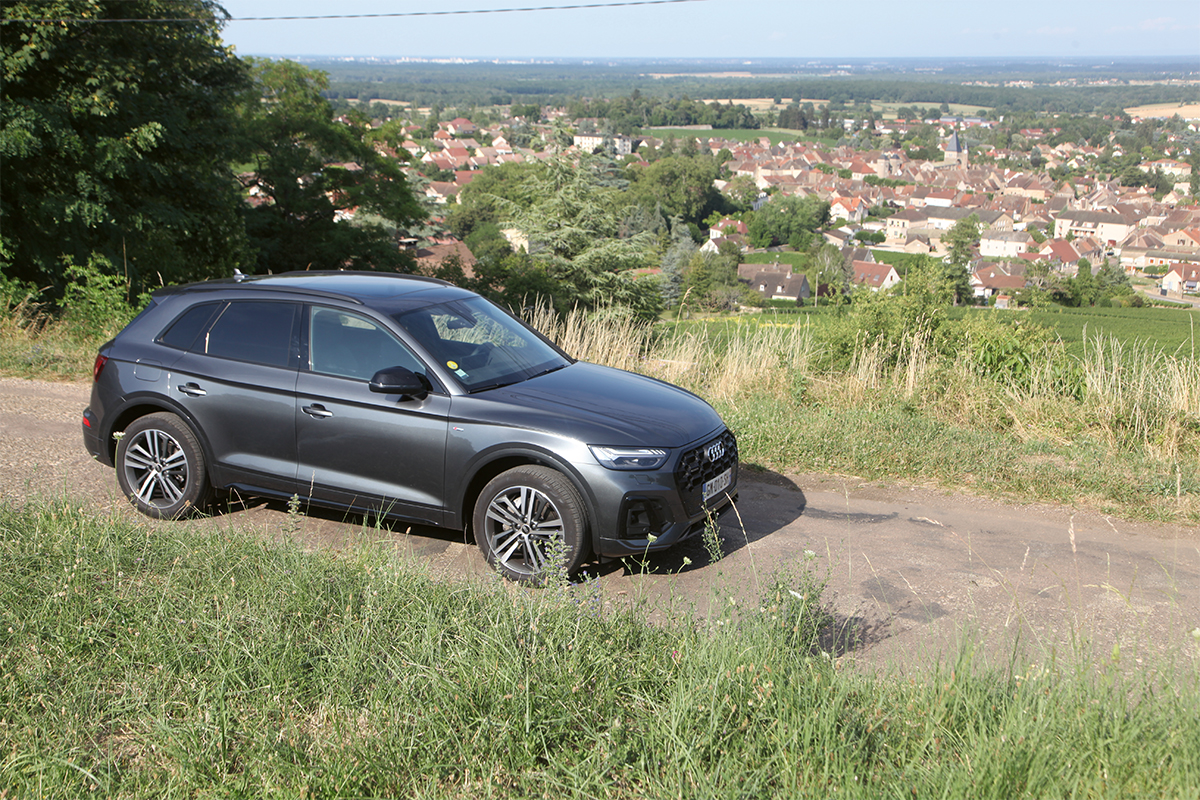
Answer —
367 288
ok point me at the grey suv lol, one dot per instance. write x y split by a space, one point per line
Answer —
404 396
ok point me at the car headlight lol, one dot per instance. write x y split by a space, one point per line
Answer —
630 457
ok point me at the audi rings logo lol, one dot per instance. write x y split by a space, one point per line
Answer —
715 451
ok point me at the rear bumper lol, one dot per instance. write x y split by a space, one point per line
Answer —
91 438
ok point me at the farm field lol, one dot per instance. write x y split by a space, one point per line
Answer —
1166 110
1173 331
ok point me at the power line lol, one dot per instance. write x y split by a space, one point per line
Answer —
463 12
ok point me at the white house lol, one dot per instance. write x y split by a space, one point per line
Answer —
1182 278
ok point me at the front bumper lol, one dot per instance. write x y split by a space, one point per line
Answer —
671 533
669 506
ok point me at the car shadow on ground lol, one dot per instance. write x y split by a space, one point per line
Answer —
317 525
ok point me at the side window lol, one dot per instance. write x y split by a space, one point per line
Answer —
252 331
354 347
183 332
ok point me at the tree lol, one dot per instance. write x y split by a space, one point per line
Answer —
961 240
116 140
788 219
573 229
833 270
674 262
307 167
711 280
926 283
682 184
1084 288
744 191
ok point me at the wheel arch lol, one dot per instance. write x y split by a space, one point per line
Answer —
492 464
139 407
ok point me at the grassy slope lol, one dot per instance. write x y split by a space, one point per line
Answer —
177 662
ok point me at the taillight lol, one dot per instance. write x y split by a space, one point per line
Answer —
98 367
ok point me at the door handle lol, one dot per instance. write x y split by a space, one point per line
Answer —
192 390
317 411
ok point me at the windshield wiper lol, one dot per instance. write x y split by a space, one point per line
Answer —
495 385
548 371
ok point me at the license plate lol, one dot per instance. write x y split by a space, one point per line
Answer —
717 485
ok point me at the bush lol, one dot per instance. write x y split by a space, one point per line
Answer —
96 302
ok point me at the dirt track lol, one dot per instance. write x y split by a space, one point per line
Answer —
909 570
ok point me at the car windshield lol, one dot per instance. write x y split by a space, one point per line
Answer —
480 344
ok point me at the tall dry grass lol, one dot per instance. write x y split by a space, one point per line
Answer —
1132 397
759 358
1140 393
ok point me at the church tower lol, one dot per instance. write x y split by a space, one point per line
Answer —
956 153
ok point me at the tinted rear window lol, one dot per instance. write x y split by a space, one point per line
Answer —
252 331
183 332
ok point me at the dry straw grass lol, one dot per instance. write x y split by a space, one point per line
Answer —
1133 396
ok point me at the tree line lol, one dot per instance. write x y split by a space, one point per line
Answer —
559 84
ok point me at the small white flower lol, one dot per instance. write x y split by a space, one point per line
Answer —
809 554
1196 634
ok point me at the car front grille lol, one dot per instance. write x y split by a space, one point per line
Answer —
697 466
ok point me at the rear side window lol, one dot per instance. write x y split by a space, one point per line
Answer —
252 331
182 334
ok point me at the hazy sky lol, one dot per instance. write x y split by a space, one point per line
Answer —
725 29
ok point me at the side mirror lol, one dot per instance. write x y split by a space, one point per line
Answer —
401 381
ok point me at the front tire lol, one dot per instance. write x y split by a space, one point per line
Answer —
161 467
529 522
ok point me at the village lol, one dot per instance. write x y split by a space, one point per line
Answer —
884 201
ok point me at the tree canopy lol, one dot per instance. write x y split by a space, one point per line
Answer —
682 185
788 220
116 139
307 167
119 142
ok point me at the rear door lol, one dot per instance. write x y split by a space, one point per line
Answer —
359 448
237 380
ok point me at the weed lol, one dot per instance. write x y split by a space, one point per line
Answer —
712 539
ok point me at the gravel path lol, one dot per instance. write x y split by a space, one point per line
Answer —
909 571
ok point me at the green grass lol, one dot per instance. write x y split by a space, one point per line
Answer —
895 438
799 261
35 349
179 661
1172 330
985 403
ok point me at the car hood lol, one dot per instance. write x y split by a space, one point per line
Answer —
601 405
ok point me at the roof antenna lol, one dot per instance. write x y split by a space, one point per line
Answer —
238 275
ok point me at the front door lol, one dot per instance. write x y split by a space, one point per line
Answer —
359 448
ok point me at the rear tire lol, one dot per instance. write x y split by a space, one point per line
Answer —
161 467
526 520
